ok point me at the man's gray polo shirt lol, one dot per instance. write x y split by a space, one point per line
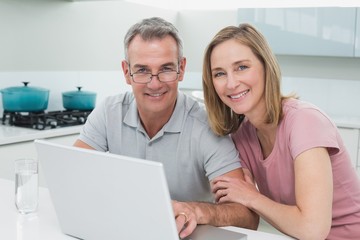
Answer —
191 153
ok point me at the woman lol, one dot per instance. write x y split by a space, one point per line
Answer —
306 186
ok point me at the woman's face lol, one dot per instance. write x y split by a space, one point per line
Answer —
238 77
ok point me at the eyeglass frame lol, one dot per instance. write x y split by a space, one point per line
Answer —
153 75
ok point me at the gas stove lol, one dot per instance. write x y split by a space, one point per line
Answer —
45 120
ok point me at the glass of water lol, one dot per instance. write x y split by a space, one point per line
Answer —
26 185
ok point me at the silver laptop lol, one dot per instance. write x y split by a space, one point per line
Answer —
99 195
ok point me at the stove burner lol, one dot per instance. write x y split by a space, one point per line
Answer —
45 120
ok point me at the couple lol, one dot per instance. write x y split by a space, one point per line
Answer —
306 187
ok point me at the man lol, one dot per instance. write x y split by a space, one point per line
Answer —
156 122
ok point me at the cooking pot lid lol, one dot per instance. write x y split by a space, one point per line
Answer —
79 92
25 88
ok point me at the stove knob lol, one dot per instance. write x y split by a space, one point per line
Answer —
81 120
53 124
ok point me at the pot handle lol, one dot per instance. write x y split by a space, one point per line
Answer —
25 83
79 88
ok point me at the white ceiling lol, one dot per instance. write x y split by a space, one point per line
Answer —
231 4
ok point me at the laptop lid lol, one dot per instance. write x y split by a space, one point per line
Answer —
99 195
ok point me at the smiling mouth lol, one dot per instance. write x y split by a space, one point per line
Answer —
155 94
239 95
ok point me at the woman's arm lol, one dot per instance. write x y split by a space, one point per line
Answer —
311 217
225 214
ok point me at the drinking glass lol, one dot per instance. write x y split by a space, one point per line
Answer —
26 185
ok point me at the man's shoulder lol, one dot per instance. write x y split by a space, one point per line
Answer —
195 110
125 98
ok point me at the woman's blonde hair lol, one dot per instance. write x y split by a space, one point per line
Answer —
222 119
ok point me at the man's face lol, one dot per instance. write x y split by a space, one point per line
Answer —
154 56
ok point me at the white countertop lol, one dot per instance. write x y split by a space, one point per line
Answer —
346 122
43 224
11 134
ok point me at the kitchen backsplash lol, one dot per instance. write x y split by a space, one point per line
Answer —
335 97
338 98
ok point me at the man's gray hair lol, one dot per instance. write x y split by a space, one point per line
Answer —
152 28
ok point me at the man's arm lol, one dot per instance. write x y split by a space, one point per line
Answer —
189 214
81 144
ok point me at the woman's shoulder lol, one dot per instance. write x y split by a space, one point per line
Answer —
293 104
304 115
295 108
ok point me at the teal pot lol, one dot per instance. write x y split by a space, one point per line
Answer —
25 98
79 100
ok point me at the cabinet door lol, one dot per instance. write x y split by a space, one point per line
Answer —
350 137
305 31
357 32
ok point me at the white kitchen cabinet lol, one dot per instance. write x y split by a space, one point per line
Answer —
10 152
305 31
350 137
357 33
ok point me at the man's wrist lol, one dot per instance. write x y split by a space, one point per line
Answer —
203 212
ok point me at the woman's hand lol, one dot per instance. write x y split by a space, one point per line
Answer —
235 190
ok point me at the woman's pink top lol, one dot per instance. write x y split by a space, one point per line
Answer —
303 127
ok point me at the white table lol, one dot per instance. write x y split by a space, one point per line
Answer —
43 224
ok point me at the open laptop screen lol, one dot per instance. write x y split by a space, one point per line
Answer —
99 195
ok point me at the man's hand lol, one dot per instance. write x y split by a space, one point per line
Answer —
185 217
189 214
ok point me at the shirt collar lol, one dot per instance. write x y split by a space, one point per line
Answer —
173 125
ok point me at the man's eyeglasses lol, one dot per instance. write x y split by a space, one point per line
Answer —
163 76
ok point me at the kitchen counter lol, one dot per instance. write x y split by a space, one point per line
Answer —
44 223
18 142
12 134
346 122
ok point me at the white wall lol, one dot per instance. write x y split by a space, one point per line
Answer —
332 83
60 44
320 67
198 28
55 35
231 4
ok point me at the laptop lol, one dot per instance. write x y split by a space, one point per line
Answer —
99 195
